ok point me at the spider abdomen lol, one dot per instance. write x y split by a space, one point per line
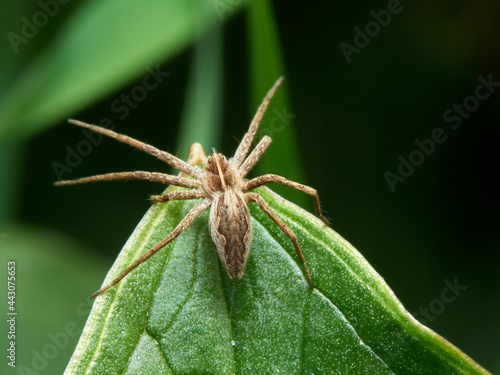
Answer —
231 231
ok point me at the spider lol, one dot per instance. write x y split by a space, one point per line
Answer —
221 185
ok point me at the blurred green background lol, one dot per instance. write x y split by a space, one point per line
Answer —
339 123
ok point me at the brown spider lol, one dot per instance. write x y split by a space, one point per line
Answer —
221 185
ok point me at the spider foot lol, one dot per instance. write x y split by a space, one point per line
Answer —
159 198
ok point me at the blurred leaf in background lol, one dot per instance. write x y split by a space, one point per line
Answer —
266 64
102 46
52 274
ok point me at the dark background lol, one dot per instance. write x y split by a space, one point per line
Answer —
353 120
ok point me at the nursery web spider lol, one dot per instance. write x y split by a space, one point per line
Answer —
221 185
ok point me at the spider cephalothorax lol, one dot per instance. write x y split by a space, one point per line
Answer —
221 185
220 176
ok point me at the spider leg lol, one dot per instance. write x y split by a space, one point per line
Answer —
170 159
138 175
264 179
244 146
188 219
177 196
255 197
254 156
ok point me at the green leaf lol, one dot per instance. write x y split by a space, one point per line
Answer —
180 313
102 46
